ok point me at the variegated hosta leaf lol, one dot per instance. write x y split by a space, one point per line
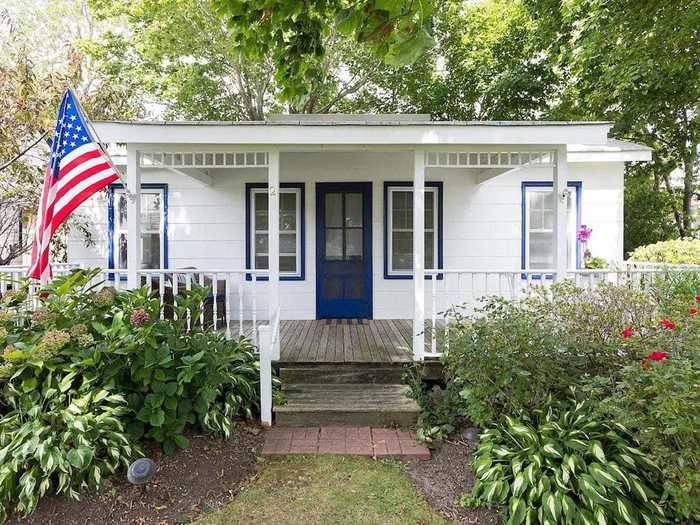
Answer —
519 484
517 510
597 451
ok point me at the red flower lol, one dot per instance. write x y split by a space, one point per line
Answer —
693 311
628 332
697 298
657 356
668 325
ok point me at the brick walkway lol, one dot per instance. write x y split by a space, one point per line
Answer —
362 441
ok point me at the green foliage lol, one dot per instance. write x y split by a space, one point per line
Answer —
292 33
660 403
595 263
90 372
564 465
679 251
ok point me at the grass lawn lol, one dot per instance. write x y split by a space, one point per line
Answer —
327 490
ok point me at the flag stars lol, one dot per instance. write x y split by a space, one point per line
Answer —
72 117
73 144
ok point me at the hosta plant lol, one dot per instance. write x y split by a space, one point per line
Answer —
562 465
55 439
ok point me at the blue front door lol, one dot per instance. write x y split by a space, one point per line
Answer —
344 250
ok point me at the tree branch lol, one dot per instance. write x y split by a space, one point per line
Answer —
22 153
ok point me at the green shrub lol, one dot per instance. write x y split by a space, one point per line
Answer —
678 251
660 402
563 465
90 372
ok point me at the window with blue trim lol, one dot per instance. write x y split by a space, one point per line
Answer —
538 225
291 211
154 241
398 228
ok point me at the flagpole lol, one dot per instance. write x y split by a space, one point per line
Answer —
129 194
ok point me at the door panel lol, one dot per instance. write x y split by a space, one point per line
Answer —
344 250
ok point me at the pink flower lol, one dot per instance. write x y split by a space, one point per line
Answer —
668 325
139 318
693 311
584 233
628 332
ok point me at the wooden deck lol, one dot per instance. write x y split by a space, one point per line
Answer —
346 341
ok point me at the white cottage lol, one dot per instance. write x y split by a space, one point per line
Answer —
306 218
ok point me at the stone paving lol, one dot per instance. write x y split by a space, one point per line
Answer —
360 441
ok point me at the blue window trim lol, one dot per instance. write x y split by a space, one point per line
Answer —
302 207
523 234
110 223
393 184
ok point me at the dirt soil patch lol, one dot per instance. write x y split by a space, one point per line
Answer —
447 476
189 483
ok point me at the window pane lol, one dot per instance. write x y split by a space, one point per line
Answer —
429 210
334 244
261 262
288 201
353 243
353 209
150 211
429 250
150 250
288 243
121 210
402 251
261 243
121 251
288 221
402 210
541 253
334 210
288 263
260 211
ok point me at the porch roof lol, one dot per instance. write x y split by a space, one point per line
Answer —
287 131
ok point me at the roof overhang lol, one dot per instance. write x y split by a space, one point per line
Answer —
350 133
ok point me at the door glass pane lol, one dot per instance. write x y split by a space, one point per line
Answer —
334 210
261 243
429 210
121 210
261 262
353 243
334 244
353 210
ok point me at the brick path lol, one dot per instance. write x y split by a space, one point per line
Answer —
362 441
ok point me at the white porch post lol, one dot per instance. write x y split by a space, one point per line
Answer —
273 250
133 217
561 176
418 254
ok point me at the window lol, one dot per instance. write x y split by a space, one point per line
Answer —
538 225
291 199
154 244
398 224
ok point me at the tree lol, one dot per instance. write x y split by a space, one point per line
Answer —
637 63
294 34
32 81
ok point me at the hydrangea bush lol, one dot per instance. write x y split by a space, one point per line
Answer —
90 372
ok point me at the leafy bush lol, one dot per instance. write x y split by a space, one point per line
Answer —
563 465
90 372
659 400
678 251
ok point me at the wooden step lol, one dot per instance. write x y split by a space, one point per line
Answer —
356 404
343 373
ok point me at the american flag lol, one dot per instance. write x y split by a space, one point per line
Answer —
77 169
